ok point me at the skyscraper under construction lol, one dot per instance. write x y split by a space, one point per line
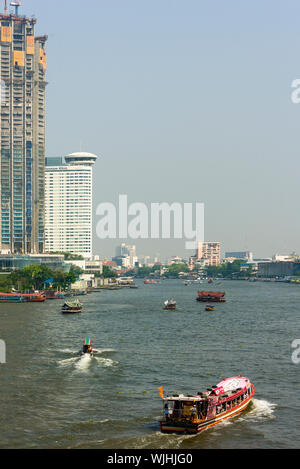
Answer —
22 135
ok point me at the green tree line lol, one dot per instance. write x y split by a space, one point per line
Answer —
34 277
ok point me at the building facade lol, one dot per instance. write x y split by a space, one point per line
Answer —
69 205
23 67
16 261
209 251
278 269
126 255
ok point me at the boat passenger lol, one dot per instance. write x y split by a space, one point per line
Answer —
193 412
167 412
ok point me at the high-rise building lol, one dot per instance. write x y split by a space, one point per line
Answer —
69 206
127 251
23 66
209 251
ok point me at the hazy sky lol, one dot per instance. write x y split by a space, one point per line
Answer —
186 101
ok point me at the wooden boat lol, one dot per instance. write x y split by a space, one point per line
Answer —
71 307
192 414
209 308
170 305
87 348
211 297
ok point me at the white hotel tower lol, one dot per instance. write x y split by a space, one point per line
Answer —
69 204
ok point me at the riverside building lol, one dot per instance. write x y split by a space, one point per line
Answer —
23 67
69 204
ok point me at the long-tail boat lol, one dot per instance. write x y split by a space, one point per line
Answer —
170 305
192 414
211 297
87 347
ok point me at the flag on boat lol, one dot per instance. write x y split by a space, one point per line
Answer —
87 341
161 389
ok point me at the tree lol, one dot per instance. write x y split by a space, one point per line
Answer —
69 256
6 283
108 273
175 269
34 277
31 277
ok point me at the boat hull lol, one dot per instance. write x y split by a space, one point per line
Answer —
211 300
193 428
71 311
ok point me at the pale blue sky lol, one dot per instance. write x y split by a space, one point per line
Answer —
186 101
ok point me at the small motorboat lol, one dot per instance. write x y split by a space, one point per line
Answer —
194 413
170 305
87 348
72 307
209 308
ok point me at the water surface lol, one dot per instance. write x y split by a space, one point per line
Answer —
52 398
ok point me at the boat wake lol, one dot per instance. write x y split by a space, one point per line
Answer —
68 361
106 362
261 409
84 362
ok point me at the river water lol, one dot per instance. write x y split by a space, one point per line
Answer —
52 398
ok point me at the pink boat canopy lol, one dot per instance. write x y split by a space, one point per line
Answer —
231 384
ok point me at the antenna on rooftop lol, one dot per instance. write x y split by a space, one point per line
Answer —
17 6
5 7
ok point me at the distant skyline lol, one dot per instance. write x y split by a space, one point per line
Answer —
182 102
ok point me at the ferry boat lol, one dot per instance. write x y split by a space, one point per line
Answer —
34 297
71 307
11 298
192 414
211 297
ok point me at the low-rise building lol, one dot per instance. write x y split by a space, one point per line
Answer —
278 269
239 255
15 261
91 266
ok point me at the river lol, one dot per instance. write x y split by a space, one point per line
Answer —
53 398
